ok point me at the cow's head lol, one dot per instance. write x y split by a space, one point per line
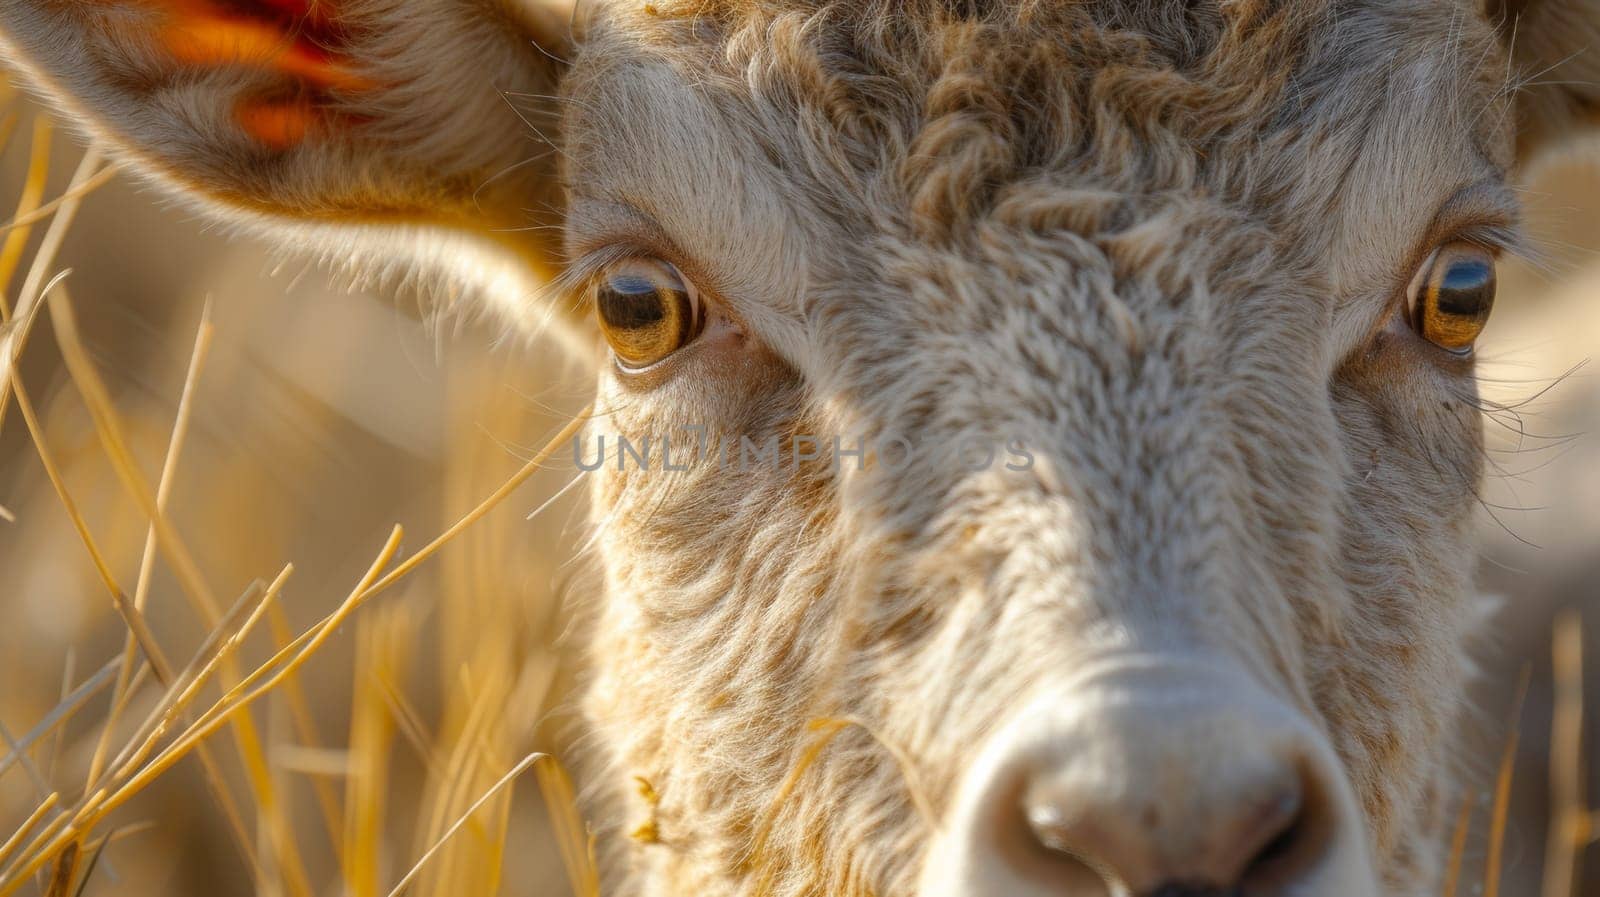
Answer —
1072 403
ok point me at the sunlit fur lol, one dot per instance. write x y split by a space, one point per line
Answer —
1161 244
1156 248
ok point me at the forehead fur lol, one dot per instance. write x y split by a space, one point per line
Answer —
948 101
952 99
845 121
777 144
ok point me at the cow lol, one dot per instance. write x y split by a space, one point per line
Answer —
1074 406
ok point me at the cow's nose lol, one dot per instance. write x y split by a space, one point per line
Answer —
1183 817
1156 780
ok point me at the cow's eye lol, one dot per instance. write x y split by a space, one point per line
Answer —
1452 295
647 311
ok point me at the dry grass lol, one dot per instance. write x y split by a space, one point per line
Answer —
409 799
158 712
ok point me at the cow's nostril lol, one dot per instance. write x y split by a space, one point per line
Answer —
1154 781
1211 838
1272 840
1269 834
1301 838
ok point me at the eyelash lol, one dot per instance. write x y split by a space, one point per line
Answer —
582 270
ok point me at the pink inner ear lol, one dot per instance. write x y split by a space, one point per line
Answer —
294 38
276 124
217 41
317 15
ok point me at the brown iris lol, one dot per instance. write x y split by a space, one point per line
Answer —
1453 296
646 310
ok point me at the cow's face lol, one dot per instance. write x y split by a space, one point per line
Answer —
1156 328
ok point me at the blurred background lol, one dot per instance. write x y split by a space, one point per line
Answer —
322 417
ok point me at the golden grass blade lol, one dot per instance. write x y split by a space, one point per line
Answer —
453 783
98 847
141 588
455 775
258 774
96 850
213 652
1458 847
119 599
27 764
380 653
56 832
577 849
1502 797
122 832
321 763
33 185
827 731
284 663
62 712
34 216
43 848
919 797
68 672
488 504
272 822
32 286
108 428
305 728
65 872
475 863
237 699
411 726
491 869
503 782
13 339
131 615
21 834
294 648
169 465
1569 810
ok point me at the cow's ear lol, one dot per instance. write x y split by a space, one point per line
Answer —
1555 66
320 119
